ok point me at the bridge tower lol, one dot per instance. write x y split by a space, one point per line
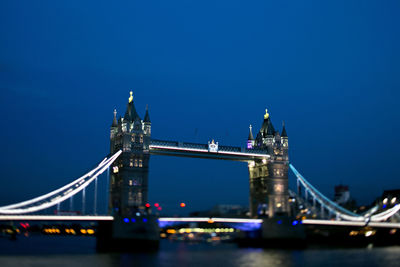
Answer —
129 173
269 193
133 227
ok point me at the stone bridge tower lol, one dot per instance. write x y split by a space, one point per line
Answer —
129 173
269 192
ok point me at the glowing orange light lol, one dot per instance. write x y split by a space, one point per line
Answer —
147 205
183 205
156 205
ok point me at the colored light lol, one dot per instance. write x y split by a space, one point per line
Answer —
156 205
384 206
295 222
126 220
148 205
144 220
183 205
159 208
133 220
90 231
279 222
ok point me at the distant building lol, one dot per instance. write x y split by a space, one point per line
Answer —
391 196
342 194
343 198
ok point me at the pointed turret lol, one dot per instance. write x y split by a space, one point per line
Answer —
250 139
250 133
285 139
146 116
284 134
115 123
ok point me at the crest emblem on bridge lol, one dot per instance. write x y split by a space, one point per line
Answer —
212 146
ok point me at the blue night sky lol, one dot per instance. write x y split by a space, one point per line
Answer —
207 69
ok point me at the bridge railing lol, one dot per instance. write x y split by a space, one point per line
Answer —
188 145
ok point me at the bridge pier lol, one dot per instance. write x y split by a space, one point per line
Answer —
138 233
276 232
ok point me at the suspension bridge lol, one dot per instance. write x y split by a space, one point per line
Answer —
128 212
327 211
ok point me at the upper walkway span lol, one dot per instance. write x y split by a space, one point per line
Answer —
210 151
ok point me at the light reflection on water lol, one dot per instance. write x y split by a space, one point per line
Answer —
80 251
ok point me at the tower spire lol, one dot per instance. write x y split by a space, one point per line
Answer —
114 123
284 134
250 133
131 114
130 97
146 116
266 115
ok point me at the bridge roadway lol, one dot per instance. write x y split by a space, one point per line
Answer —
184 149
177 220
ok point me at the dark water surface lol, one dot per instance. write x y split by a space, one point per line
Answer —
80 251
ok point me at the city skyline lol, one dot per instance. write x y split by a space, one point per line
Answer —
334 83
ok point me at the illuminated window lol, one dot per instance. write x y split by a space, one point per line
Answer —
140 163
131 198
136 162
131 163
133 138
137 181
141 138
130 182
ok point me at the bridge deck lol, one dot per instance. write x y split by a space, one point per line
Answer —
191 219
183 149
55 218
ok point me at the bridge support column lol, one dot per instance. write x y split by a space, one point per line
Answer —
298 188
95 197
71 204
137 233
277 232
83 200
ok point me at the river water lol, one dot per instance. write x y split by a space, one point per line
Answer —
80 251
